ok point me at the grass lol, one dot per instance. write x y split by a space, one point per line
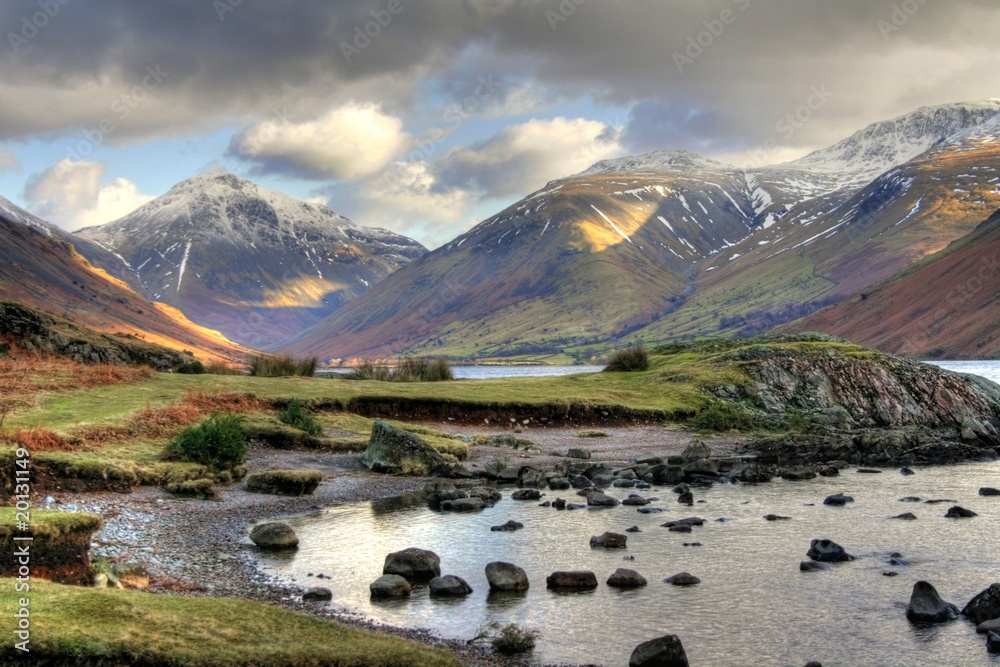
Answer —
108 628
271 366
414 369
296 416
49 525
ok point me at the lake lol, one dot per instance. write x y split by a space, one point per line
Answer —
753 607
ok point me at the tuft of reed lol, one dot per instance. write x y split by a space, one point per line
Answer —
411 369
274 366
632 358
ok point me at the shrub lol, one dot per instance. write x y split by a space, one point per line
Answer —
508 639
633 358
217 443
270 366
722 416
414 369
191 367
296 416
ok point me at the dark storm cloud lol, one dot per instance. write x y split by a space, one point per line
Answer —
739 64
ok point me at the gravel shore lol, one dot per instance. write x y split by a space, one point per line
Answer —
201 547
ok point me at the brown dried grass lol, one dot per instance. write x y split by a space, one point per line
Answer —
41 440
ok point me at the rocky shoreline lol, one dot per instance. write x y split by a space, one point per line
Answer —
198 547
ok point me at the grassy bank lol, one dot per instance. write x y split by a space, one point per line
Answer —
107 627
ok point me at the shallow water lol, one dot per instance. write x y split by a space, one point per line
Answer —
753 607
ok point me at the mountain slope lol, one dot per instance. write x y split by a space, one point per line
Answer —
671 244
253 263
41 267
945 306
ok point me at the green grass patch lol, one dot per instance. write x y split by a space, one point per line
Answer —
413 369
50 525
109 628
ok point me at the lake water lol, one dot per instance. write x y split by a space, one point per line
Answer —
753 607
988 369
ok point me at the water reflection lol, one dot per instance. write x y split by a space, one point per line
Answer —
753 606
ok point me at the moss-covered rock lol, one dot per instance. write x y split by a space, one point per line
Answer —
285 482
394 450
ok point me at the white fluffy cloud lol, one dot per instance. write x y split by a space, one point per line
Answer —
352 141
524 157
71 195
407 198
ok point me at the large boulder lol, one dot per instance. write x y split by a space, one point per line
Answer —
571 580
390 586
414 565
626 578
394 450
598 499
531 478
926 606
827 551
695 451
665 651
274 535
449 586
985 606
506 577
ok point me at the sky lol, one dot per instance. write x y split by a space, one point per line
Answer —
428 116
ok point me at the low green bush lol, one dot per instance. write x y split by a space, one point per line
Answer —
218 443
296 416
632 358
722 416
508 639
191 367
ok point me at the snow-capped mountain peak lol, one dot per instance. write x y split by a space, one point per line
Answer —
656 162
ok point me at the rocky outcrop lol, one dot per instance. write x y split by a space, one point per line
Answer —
665 651
413 564
394 450
926 606
862 406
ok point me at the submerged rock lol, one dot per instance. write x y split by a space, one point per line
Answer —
572 579
506 577
838 500
511 525
449 586
989 491
683 579
598 499
957 512
906 516
828 551
985 606
608 541
626 578
926 606
390 586
665 651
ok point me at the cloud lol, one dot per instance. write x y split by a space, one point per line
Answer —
350 142
408 198
9 162
524 157
71 195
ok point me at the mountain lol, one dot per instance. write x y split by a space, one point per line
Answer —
672 245
946 306
255 264
43 267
